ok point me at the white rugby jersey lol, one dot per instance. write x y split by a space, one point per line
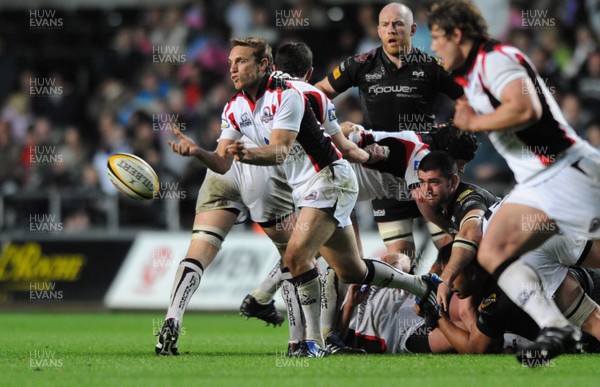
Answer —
530 150
394 177
280 105
383 318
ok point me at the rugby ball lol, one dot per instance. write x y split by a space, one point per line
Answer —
132 176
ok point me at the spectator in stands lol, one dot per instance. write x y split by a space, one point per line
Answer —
592 134
588 84
11 168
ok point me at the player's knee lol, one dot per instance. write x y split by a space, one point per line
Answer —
209 234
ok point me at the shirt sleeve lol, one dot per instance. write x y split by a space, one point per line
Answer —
343 76
471 202
488 321
330 122
290 112
230 129
500 68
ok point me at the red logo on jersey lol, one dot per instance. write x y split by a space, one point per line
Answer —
312 196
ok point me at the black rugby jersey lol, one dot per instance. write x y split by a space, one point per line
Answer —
395 99
498 314
467 197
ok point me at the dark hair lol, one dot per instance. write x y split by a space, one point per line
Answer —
294 58
262 49
439 160
461 14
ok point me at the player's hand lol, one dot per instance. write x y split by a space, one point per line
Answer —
356 294
184 145
443 296
377 153
237 150
349 127
463 114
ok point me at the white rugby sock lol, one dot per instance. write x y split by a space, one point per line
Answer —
187 280
308 286
381 274
296 321
523 286
267 289
332 293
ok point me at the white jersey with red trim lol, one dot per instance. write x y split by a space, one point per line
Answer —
396 176
321 105
529 150
280 105
385 319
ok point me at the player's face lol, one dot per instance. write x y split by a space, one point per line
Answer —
462 286
435 188
394 30
245 71
446 48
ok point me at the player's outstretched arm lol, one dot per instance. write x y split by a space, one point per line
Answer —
218 161
325 86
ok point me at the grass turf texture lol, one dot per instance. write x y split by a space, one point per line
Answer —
117 349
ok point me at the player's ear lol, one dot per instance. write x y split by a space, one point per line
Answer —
454 181
413 29
309 74
264 64
457 36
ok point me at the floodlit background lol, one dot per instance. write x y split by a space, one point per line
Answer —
82 79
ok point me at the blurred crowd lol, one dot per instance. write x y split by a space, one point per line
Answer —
122 80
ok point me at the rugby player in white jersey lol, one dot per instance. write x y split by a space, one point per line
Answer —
278 118
557 173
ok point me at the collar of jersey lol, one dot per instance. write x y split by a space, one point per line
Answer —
262 87
470 62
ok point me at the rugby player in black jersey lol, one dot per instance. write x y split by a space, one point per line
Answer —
487 313
398 85
458 209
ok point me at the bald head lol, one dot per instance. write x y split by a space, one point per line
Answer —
395 29
396 10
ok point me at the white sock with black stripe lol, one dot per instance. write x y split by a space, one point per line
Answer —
187 280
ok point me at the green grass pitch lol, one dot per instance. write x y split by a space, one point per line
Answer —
116 349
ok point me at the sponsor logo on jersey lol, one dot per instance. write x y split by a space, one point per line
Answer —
376 89
372 77
224 124
245 121
489 300
267 115
416 164
312 196
378 212
418 74
337 73
462 195
332 115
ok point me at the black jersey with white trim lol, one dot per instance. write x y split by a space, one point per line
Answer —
395 99
468 197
